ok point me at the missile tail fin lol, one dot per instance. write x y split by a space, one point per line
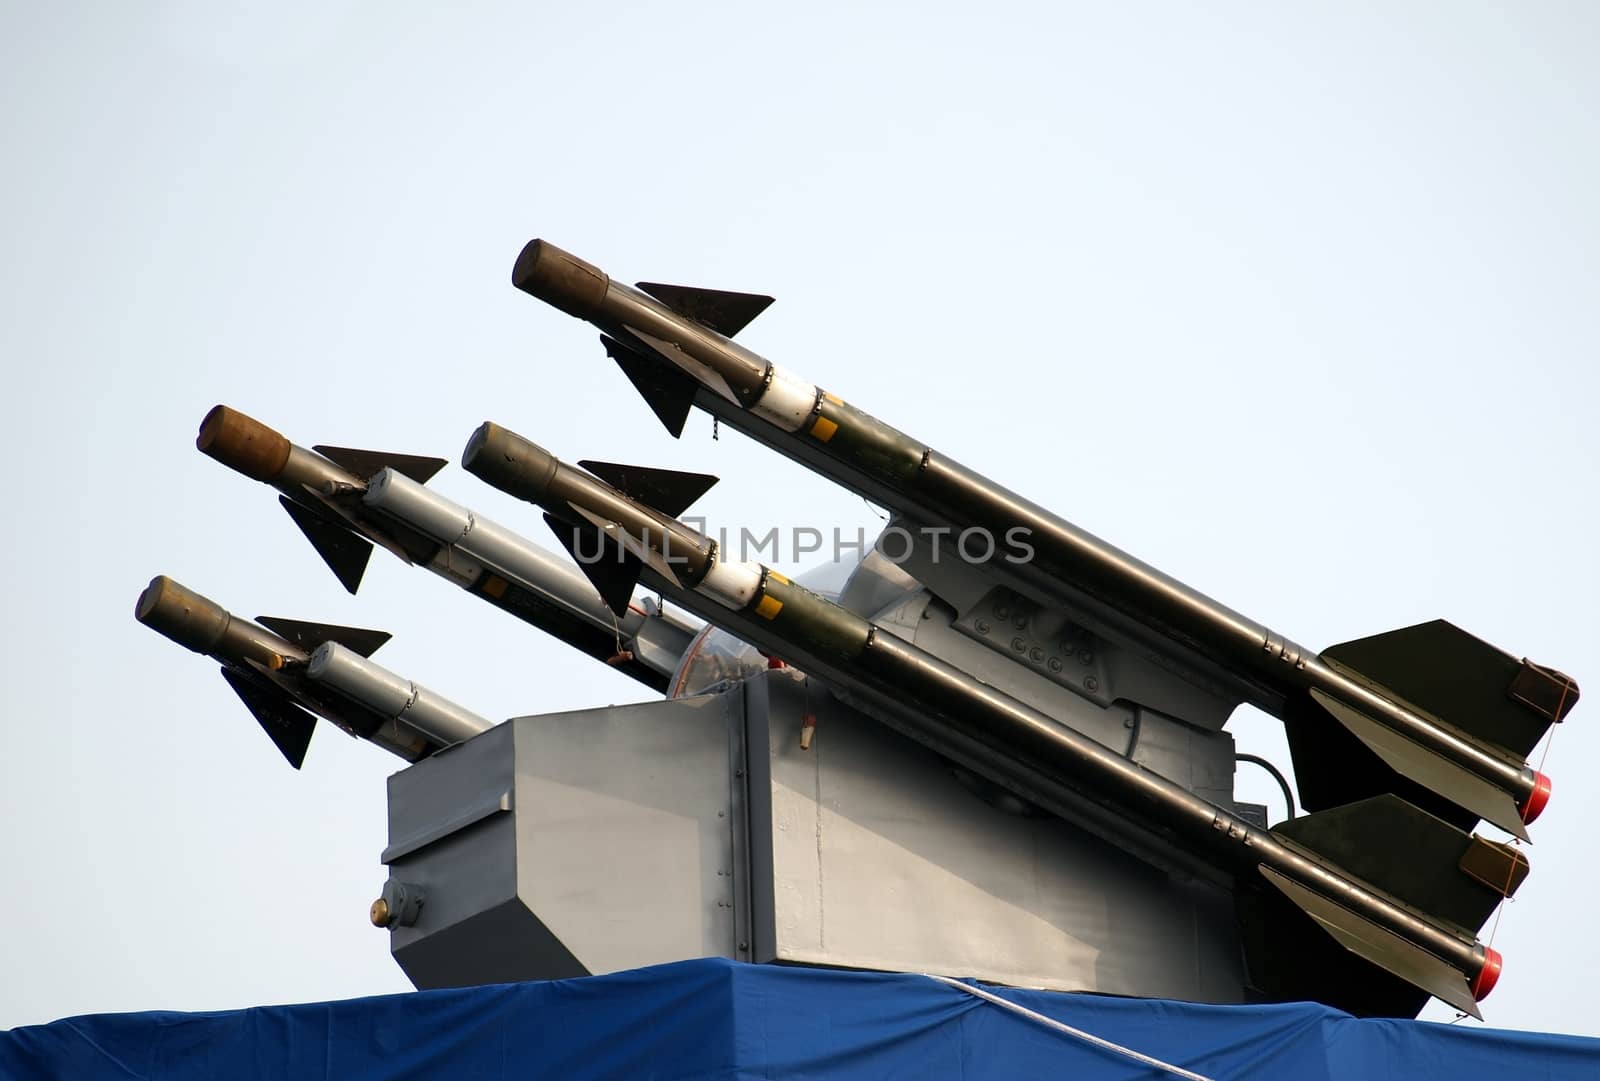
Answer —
612 571
667 490
367 463
1414 856
668 392
1464 681
1393 763
1300 942
345 553
1409 963
286 724
724 312
308 636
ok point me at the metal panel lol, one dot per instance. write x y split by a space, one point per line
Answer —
624 835
880 859
614 849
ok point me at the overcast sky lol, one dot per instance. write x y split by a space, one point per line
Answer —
1300 303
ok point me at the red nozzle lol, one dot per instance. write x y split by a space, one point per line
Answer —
1537 798
1488 975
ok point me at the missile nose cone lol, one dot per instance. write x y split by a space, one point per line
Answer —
242 443
560 279
181 614
150 600
509 462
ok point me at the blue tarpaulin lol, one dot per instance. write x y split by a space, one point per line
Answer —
719 1019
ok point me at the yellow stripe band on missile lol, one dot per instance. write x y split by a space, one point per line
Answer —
774 576
769 608
495 587
822 429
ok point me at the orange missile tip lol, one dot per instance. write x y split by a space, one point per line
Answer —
242 443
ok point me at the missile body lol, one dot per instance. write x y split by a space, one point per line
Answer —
293 670
1019 747
1461 755
345 506
409 705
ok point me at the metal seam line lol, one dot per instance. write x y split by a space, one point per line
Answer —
1051 1022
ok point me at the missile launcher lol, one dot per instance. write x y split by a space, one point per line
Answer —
995 746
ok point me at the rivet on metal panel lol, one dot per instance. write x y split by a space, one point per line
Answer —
981 626
1091 684
1086 657
1055 664
1019 645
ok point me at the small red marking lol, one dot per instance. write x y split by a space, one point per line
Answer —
1537 798
1488 975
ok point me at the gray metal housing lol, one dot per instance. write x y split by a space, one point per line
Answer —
612 838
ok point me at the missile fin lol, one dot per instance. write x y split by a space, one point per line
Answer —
667 490
286 724
614 573
724 312
1372 943
1432 771
308 636
668 393
368 463
692 369
1464 681
1289 956
345 553
1417 857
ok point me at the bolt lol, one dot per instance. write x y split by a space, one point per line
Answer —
1002 612
981 626
1019 645
1055 664
1037 654
1086 657
1091 684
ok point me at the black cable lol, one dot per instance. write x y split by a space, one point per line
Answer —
1277 775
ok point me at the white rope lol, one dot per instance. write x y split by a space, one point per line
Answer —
1051 1022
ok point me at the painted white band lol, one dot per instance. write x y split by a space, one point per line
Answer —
732 585
787 401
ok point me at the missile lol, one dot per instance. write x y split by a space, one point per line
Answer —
1429 712
1392 885
288 673
346 501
